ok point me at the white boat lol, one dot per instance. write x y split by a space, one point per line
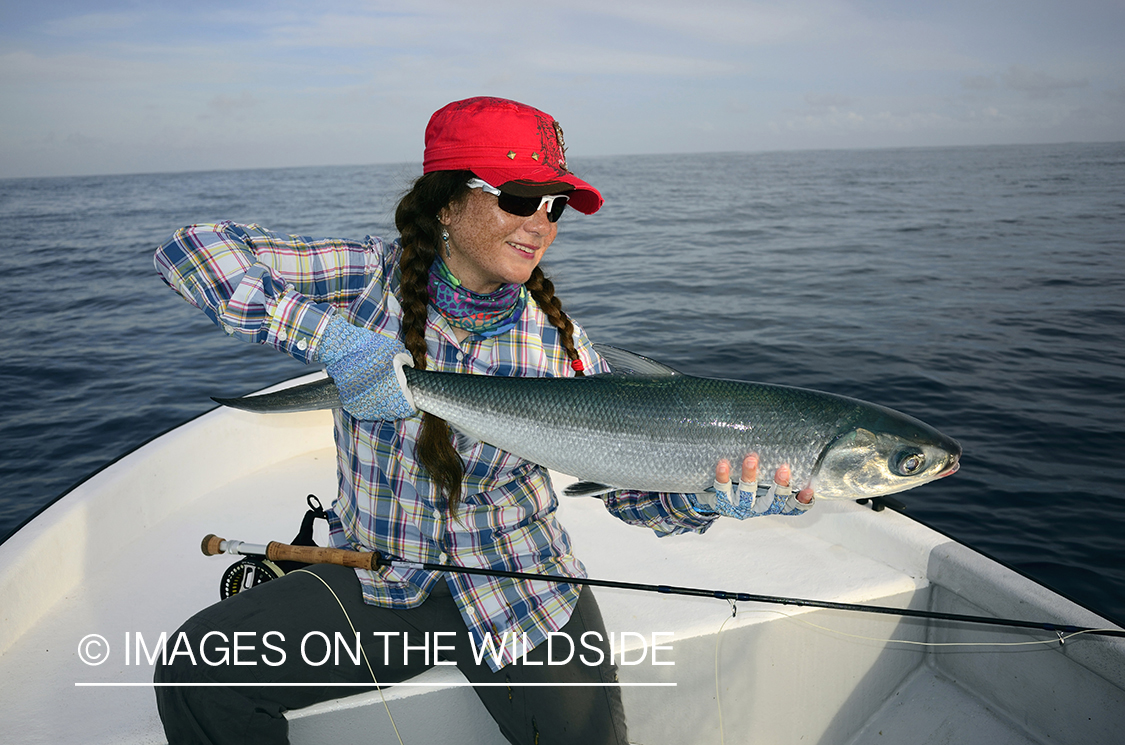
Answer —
119 556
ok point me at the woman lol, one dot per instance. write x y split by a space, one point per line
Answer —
462 292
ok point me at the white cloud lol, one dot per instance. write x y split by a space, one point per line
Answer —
586 60
1037 84
277 82
417 29
828 100
978 83
732 22
23 68
91 23
242 104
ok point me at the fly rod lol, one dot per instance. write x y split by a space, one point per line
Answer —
213 545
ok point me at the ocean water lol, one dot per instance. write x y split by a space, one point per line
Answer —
979 289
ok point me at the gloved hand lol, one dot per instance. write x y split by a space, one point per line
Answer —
752 500
367 370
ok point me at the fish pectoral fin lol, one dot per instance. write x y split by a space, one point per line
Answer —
462 442
625 362
587 489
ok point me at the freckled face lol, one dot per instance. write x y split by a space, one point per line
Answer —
491 247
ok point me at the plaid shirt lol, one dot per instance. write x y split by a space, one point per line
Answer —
280 290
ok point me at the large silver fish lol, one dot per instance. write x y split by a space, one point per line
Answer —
651 428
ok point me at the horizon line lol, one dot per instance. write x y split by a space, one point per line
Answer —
580 158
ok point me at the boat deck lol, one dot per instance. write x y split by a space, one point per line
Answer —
120 555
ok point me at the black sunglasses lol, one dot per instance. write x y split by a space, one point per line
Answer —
523 206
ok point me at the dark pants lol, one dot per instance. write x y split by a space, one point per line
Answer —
298 603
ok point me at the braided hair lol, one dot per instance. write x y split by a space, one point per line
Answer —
417 221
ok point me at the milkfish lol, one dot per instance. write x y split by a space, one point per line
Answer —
648 427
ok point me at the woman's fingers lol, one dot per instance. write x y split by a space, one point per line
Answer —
748 481
748 486
782 475
750 468
722 471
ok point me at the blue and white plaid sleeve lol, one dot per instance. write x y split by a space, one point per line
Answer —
665 513
264 287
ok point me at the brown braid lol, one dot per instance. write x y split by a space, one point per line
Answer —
418 225
417 222
543 290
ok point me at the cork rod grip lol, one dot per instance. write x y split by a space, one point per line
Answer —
213 545
317 555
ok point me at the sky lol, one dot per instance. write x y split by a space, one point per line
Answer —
103 87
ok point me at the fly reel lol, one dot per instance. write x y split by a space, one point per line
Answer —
251 571
248 572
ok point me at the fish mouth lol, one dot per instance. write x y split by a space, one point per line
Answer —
954 451
951 470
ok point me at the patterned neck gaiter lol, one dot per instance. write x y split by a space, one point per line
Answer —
487 315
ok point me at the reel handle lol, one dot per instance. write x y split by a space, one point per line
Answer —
213 545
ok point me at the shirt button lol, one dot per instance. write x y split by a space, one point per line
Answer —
443 558
437 514
460 356
228 328
282 336
302 345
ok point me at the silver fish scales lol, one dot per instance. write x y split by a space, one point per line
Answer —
665 432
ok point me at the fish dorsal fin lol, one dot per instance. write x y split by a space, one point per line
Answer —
625 362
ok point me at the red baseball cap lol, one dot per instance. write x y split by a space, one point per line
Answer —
514 147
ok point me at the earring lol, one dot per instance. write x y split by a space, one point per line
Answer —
445 240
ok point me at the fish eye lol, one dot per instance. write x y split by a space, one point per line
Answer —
908 462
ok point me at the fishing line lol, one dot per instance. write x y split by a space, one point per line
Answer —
378 687
718 695
1060 639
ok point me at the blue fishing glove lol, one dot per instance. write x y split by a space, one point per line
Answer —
750 500
367 370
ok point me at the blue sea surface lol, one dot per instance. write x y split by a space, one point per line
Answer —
979 289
